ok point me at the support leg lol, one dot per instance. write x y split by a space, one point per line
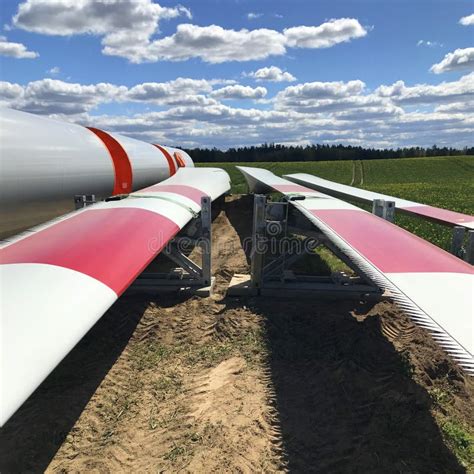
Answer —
258 239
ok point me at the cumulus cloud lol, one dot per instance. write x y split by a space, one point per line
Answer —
128 27
320 91
151 91
467 20
326 35
50 96
254 16
223 126
10 93
215 44
72 17
15 50
445 92
239 92
272 74
189 112
180 91
459 60
68 98
466 107
125 25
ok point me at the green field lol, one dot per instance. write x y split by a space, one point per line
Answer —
446 182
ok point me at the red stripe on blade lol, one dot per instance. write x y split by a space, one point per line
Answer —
122 166
169 159
442 215
179 160
110 245
390 248
194 194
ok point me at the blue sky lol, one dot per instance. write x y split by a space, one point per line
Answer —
342 59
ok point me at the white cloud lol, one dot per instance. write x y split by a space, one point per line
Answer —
188 112
365 112
10 93
128 27
49 96
272 74
464 107
180 91
326 35
429 44
239 92
215 44
467 20
223 126
162 90
15 50
54 71
254 16
459 60
72 17
125 25
444 92
321 90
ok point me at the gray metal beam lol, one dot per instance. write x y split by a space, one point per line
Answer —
258 239
384 209
469 255
206 239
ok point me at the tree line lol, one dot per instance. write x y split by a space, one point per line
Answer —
271 152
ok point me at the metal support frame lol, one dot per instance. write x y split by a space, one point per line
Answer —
258 239
469 255
462 243
274 219
187 276
457 241
83 200
384 209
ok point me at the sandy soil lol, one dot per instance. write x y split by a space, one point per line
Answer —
187 384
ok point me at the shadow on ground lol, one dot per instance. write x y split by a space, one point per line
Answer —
31 438
344 396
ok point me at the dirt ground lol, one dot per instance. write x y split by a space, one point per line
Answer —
249 384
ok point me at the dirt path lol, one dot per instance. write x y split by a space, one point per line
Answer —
222 384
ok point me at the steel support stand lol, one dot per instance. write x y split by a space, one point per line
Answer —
83 200
258 240
469 255
384 209
271 222
457 240
188 276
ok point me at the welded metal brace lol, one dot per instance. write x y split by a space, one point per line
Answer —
189 276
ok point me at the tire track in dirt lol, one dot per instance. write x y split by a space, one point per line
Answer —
252 385
361 163
358 174
353 174
189 391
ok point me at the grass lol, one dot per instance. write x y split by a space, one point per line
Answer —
184 448
446 182
167 385
460 440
